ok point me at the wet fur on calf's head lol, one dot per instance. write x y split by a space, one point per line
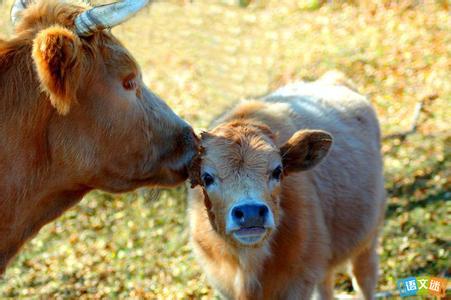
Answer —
194 174
196 164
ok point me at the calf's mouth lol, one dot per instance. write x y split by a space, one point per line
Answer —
250 236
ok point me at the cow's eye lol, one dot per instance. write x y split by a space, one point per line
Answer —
276 173
129 82
208 179
130 85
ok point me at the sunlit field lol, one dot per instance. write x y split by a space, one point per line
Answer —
202 57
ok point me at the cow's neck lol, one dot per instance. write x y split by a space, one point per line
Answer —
31 189
24 212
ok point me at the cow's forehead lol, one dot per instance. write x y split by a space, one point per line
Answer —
43 14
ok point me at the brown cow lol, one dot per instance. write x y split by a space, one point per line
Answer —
291 187
76 116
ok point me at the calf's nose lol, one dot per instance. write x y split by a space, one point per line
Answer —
250 215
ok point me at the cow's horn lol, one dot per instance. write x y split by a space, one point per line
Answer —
107 16
18 6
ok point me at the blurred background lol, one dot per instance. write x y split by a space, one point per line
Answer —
202 56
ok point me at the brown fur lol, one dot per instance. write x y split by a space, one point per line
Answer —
74 116
323 217
308 145
55 52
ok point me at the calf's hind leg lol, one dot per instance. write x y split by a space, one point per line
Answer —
365 270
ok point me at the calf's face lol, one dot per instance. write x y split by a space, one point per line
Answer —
240 170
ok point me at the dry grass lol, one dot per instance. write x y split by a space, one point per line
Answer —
201 58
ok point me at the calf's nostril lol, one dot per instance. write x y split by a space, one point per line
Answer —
250 215
263 211
237 213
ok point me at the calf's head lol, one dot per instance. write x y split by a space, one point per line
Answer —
240 170
97 119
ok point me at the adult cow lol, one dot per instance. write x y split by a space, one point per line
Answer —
76 116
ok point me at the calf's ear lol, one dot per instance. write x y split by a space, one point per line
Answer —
56 54
304 150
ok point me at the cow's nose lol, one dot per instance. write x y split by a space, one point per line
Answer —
189 138
250 215
186 140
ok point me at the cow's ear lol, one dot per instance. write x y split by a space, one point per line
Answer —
304 150
56 52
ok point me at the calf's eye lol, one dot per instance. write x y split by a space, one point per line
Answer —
276 173
208 179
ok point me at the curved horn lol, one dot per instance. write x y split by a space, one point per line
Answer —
107 16
19 5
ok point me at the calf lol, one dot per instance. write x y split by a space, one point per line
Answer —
286 189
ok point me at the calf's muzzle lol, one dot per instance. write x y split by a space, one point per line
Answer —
250 215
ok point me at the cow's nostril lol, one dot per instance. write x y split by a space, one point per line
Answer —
263 211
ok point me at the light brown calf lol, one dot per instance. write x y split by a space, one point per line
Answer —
289 188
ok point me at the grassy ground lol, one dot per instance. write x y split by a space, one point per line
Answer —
202 57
